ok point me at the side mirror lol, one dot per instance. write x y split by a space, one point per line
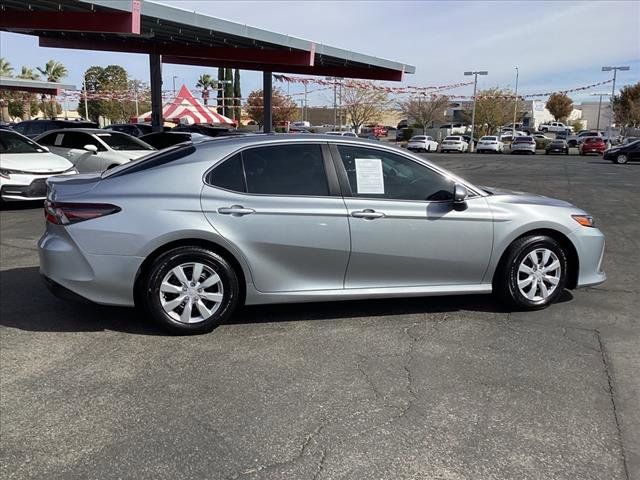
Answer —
91 148
460 193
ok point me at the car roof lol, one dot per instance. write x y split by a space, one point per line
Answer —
84 130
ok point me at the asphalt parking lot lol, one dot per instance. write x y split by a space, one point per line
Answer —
427 388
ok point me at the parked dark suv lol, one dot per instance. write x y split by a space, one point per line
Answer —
33 128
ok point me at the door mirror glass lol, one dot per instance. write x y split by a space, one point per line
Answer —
91 148
460 193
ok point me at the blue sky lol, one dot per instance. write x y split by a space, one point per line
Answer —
556 45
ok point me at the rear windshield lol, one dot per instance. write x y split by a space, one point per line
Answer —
523 140
417 138
490 139
150 161
558 142
11 142
121 141
452 138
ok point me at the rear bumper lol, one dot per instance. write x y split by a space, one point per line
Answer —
103 279
62 292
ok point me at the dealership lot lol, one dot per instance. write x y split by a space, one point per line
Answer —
445 388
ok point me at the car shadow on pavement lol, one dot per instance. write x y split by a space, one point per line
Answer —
28 305
30 205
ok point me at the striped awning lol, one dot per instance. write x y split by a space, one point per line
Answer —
186 109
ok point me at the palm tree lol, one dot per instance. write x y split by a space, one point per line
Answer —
205 82
53 71
5 68
28 74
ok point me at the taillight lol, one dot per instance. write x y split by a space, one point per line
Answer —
68 213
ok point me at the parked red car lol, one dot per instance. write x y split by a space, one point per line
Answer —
593 145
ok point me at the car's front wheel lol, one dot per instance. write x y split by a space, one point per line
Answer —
533 273
622 159
190 290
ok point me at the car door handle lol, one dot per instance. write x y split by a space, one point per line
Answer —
238 210
367 213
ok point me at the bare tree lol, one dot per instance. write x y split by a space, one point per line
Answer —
363 104
424 111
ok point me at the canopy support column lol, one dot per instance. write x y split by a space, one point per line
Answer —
267 90
155 72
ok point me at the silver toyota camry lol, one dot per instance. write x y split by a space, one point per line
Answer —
194 231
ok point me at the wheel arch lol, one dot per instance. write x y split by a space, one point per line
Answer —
568 246
243 276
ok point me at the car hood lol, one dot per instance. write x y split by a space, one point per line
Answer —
34 162
513 196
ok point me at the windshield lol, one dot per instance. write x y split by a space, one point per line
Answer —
11 142
417 138
121 141
489 139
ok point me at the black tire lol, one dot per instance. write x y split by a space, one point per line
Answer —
149 294
505 284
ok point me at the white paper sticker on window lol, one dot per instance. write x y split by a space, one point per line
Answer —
58 141
369 175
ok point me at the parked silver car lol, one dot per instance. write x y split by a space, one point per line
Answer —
193 231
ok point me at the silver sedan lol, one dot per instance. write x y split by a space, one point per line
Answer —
194 231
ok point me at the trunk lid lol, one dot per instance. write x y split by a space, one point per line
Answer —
65 188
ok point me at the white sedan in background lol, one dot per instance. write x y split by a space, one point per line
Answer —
94 150
454 143
490 144
422 143
25 166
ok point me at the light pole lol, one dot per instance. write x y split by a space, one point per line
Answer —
174 85
515 107
613 92
473 114
599 107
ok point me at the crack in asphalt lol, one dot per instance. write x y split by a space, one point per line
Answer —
611 391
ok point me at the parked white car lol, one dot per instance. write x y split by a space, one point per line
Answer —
490 144
94 150
541 136
523 145
422 143
454 143
554 127
25 166
342 134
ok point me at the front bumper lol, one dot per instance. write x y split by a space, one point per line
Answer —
589 243
21 186
103 279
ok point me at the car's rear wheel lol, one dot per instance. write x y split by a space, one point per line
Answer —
622 159
190 290
533 274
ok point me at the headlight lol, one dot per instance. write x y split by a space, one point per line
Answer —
584 220
6 173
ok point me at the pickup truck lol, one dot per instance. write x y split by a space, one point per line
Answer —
554 127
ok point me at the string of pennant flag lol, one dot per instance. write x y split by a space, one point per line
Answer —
325 84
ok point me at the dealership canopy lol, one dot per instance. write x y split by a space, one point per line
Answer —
173 35
186 109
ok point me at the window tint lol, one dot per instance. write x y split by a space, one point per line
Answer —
229 175
78 140
20 128
285 170
36 128
11 142
48 139
403 179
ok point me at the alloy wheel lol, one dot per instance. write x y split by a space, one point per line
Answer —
191 292
539 274
621 159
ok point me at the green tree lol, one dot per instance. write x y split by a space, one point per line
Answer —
23 106
363 104
626 107
5 68
228 92
53 71
494 107
113 85
424 111
205 82
237 95
284 108
560 106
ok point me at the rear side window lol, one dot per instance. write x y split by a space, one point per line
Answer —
274 170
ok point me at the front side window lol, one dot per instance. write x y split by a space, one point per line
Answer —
77 140
379 174
121 141
274 170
